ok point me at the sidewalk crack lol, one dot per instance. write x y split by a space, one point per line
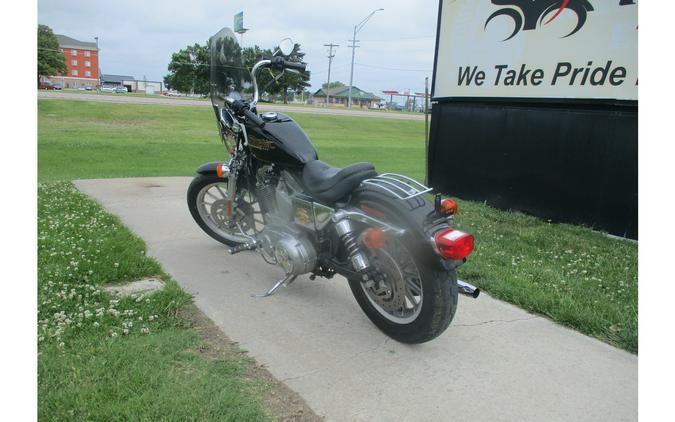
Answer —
491 321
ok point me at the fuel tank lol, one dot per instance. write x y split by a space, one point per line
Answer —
280 141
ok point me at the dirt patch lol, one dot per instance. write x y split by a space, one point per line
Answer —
149 185
282 402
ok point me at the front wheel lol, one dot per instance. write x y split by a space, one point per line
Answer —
415 297
207 201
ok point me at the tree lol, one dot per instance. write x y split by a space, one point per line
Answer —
287 82
336 84
189 70
250 56
51 61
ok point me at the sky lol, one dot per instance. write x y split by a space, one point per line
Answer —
137 37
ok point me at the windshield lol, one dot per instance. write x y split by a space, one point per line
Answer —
229 76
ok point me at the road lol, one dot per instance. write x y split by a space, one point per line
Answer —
132 99
495 362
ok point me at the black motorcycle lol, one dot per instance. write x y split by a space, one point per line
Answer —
383 232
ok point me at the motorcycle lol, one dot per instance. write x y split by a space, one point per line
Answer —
382 232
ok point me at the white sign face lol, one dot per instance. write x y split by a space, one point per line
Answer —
585 49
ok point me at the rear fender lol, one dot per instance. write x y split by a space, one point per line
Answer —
410 215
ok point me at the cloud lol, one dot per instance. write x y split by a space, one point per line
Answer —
137 38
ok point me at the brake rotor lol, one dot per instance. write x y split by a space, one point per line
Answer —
389 291
218 209
243 214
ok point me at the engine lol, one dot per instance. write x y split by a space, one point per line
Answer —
289 248
283 241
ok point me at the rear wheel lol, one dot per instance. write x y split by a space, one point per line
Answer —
207 199
415 298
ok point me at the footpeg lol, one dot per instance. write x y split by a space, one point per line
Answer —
241 248
281 283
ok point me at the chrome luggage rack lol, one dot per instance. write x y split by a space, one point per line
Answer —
402 187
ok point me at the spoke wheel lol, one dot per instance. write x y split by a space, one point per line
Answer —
412 296
207 200
399 293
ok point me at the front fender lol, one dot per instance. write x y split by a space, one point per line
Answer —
210 169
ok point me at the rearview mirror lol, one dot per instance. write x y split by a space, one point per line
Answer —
286 46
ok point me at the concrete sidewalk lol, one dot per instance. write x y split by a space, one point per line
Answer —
495 362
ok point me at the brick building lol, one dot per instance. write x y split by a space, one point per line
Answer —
82 60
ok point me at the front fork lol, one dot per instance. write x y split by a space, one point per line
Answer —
231 203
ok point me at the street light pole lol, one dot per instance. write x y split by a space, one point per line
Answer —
357 28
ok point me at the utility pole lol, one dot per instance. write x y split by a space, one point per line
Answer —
330 61
357 28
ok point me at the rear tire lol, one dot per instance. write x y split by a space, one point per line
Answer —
438 285
438 308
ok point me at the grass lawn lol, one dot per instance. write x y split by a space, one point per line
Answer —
575 276
106 358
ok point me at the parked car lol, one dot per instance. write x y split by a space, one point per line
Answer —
395 107
107 88
46 85
58 85
121 90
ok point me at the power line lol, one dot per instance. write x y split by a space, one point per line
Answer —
392 68
402 39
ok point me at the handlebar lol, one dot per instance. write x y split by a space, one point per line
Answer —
243 108
281 63
253 117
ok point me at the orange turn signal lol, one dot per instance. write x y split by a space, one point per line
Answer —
222 170
448 206
374 238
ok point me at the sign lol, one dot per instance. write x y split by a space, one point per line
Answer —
570 49
239 22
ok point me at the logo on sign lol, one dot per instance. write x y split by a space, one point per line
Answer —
529 14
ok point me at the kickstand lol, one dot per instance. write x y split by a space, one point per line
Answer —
281 283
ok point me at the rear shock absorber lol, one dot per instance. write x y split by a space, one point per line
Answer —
345 231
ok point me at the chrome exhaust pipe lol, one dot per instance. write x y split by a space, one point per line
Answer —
468 289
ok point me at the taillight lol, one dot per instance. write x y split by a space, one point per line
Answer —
454 244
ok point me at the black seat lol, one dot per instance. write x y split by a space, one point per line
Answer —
330 184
